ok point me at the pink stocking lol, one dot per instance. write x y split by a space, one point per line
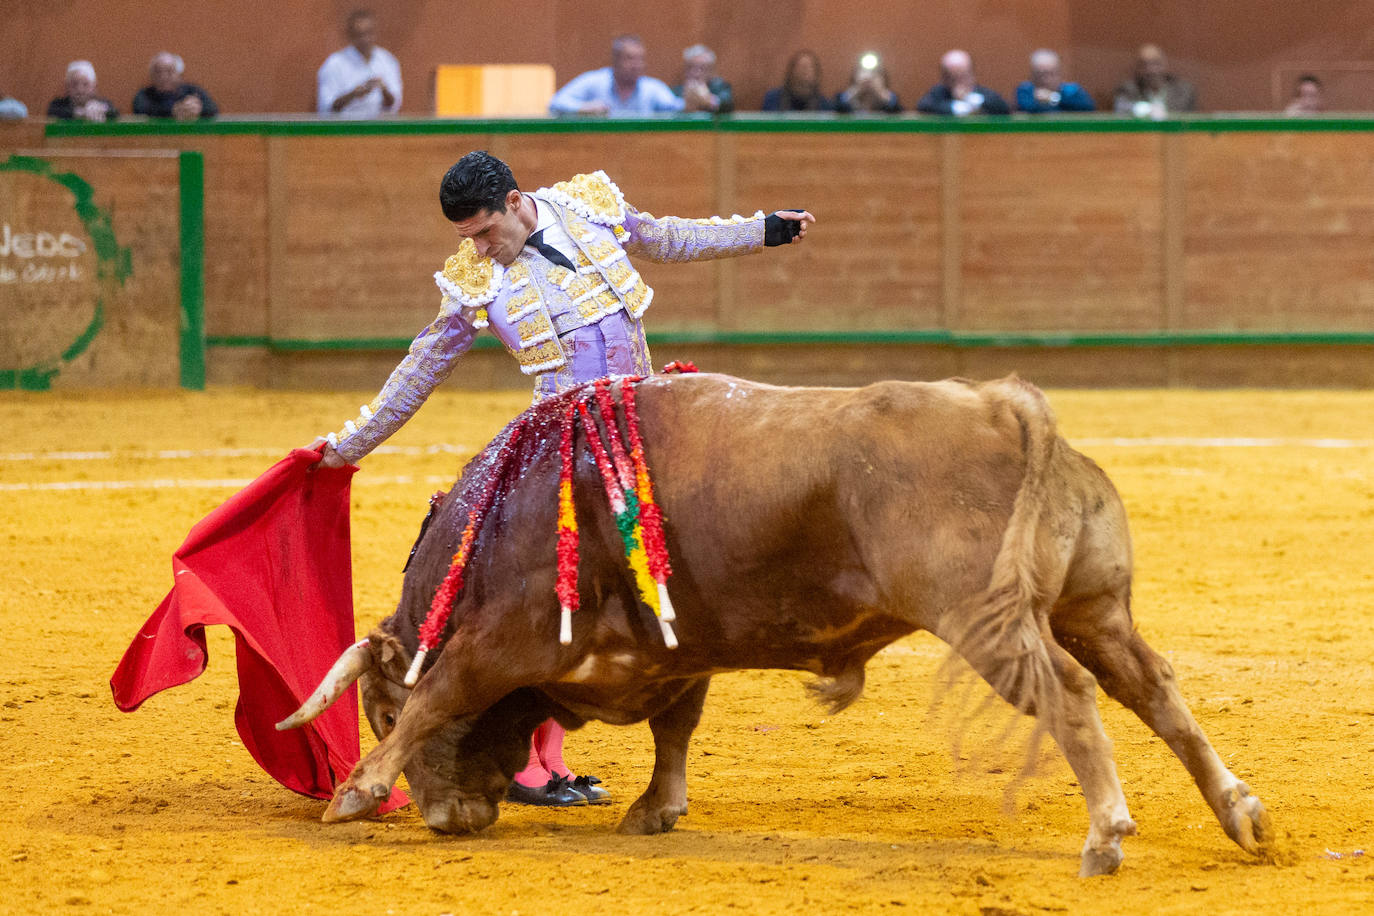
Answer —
534 775
551 748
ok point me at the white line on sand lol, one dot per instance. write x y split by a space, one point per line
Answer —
174 454
1237 442
169 483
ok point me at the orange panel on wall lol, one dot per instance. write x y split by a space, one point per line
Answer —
492 90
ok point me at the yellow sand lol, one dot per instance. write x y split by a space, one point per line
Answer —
1254 575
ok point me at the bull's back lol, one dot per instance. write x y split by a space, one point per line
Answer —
831 504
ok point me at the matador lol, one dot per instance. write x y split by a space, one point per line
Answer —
548 271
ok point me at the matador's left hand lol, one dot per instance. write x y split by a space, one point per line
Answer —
786 226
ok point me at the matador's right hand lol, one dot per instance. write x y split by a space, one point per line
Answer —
329 458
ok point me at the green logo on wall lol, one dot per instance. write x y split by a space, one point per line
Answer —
58 258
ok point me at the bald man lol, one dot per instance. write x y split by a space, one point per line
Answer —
1046 90
958 92
1154 91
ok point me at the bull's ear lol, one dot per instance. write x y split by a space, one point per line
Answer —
390 654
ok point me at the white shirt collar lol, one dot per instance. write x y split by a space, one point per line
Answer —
544 213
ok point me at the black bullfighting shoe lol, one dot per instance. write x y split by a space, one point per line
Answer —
586 787
556 793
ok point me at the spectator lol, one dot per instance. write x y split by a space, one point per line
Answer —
801 86
1308 97
361 80
11 109
1154 92
81 102
868 89
168 96
958 92
1046 89
701 89
620 89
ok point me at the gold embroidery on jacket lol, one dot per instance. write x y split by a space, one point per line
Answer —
621 276
540 357
535 329
593 196
522 303
473 274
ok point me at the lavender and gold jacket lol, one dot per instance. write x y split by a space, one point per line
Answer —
564 327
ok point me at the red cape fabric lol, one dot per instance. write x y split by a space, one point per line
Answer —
273 564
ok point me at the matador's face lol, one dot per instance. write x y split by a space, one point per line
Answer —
499 236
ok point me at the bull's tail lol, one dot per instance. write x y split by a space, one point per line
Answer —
999 631
839 691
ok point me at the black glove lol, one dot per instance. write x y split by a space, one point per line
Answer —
778 231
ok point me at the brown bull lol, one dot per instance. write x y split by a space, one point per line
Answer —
807 529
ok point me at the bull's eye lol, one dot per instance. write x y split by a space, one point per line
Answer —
388 719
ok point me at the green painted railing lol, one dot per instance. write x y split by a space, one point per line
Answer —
738 123
934 336
192 174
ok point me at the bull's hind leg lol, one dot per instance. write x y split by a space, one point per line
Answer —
1066 707
665 800
1077 728
1099 633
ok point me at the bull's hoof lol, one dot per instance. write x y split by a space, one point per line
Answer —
645 821
1100 861
1102 850
1245 820
458 814
350 802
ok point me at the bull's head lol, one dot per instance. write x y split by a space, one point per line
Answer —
459 776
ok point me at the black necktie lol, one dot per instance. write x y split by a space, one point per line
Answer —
548 251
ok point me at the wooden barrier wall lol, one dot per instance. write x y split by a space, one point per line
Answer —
90 270
939 236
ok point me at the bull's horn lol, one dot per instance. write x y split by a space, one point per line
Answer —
669 637
413 673
355 660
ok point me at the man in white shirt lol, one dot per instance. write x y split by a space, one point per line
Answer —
361 80
620 89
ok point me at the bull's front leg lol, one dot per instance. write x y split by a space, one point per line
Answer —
450 690
665 800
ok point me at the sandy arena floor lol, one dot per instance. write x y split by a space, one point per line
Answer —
1254 575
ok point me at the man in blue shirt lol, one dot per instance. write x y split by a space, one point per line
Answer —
620 89
1046 89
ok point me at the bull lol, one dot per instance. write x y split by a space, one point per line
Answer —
807 529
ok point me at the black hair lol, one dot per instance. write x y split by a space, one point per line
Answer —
1308 78
479 181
